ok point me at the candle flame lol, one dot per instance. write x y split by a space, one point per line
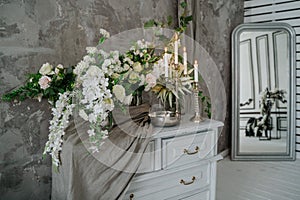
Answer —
166 49
196 62
184 49
176 36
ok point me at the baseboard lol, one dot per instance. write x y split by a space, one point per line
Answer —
225 153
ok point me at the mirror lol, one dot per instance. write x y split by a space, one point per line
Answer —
263 88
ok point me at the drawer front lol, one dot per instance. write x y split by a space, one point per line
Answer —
148 159
199 196
170 184
186 149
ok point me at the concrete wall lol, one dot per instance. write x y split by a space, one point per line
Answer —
31 33
213 23
57 31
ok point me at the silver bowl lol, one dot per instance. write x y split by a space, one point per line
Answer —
164 118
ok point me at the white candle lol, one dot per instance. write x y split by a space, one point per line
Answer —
196 71
176 49
184 61
166 63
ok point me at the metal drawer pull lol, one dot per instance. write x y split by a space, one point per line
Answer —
191 153
188 183
131 196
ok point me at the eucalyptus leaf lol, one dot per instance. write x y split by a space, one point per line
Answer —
183 4
169 20
149 23
101 40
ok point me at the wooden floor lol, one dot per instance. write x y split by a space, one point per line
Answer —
238 180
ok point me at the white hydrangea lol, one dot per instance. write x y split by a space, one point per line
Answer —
91 50
104 32
142 44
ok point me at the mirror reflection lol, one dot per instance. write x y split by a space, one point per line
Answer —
264 86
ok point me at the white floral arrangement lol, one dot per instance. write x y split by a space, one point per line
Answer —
104 80
100 82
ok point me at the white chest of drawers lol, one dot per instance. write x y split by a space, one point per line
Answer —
179 163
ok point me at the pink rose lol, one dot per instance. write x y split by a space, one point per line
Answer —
44 82
151 81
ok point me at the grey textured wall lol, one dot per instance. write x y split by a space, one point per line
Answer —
213 22
31 33
35 31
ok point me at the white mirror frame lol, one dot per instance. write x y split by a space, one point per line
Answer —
290 154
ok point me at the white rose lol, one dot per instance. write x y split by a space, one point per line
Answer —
83 115
137 67
44 82
126 67
58 68
46 69
151 81
133 77
119 92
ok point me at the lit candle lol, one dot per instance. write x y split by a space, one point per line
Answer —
196 71
166 63
184 61
176 49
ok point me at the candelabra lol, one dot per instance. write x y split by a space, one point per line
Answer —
197 117
177 112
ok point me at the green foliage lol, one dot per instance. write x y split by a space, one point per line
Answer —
184 20
101 40
150 23
205 103
183 23
183 4
60 82
29 90
169 20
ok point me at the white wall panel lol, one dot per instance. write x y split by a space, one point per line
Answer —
255 3
272 8
273 16
287 11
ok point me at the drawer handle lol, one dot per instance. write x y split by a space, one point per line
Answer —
188 183
191 153
131 196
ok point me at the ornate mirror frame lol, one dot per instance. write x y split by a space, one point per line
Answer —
236 154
